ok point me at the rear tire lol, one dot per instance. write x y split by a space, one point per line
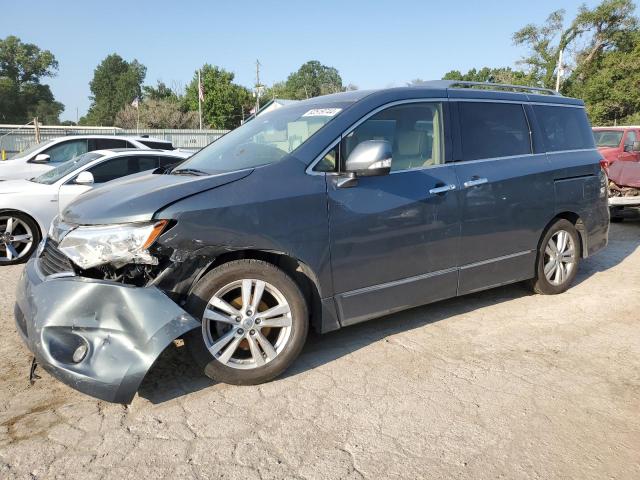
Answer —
254 322
557 260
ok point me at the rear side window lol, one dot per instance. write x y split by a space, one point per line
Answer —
157 145
122 166
107 143
564 128
491 130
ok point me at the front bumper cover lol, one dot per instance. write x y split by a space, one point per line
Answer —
124 328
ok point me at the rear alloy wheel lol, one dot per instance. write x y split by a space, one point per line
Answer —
254 322
557 259
19 238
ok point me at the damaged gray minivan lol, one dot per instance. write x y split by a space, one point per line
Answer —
321 214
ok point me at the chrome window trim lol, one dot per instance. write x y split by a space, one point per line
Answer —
481 160
548 104
577 150
309 170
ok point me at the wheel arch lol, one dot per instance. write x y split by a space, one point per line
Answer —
295 268
577 222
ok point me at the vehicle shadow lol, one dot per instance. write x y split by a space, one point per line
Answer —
174 374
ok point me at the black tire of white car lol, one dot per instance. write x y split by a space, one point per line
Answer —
228 274
35 240
540 283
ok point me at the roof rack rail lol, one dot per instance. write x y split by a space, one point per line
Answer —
497 86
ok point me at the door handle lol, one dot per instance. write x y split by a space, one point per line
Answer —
475 181
443 189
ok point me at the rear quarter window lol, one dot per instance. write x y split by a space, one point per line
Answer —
564 128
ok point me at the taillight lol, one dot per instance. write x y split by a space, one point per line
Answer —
604 183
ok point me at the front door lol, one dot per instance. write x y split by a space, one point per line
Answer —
394 238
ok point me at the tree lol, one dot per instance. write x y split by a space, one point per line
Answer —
160 92
310 80
162 113
115 83
22 96
497 75
604 27
224 100
610 86
545 43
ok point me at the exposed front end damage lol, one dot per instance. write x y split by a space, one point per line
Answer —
99 337
624 188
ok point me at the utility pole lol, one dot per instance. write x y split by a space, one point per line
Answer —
560 71
259 87
200 98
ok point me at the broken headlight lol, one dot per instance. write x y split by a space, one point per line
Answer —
91 246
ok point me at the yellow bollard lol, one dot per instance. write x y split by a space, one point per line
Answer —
4 155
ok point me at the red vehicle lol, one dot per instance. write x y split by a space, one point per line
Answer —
620 149
618 143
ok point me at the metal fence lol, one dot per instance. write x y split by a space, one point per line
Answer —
13 140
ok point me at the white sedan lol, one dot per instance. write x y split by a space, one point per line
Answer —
47 155
28 206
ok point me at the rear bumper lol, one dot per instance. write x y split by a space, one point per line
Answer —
624 201
123 328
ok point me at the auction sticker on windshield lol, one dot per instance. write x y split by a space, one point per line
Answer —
322 112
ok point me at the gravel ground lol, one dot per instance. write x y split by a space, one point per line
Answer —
499 384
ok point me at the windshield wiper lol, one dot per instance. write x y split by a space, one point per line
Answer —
188 171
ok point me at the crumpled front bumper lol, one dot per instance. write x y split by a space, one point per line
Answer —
124 329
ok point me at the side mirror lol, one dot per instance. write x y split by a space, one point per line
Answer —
41 158
84 178
636 146
370 158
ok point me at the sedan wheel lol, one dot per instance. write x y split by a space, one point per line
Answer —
18 238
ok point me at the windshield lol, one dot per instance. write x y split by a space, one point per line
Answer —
607 138
31 149
52 176
262 140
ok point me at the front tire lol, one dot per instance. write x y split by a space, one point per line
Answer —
254 322
19 237
558 259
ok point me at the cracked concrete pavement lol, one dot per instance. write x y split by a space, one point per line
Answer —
499 384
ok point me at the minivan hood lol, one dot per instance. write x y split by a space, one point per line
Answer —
137 199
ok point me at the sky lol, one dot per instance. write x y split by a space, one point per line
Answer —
373 44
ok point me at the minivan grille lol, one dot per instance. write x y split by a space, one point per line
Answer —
53 260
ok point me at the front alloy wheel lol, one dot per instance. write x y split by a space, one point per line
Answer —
254 322
246 324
